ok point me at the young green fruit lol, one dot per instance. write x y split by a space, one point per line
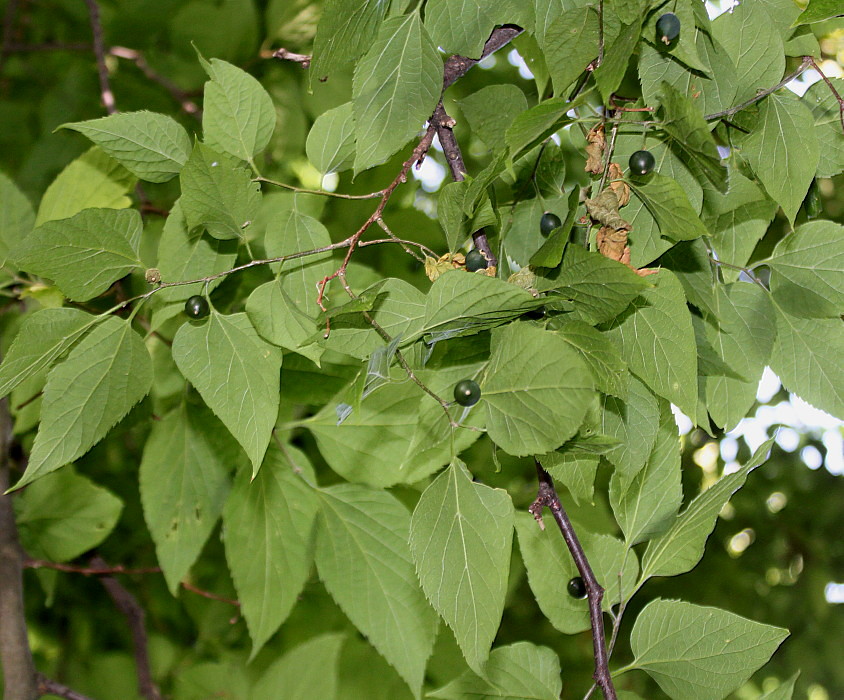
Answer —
467 392
549 222
668 28
577 588
476 261
197 307
641 162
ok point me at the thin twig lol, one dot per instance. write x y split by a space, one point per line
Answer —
831 87
99 51
762 94
547 498
48 686
284 55
324 193
128 605
181 96
207 594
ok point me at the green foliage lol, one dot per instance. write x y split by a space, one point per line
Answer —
241 372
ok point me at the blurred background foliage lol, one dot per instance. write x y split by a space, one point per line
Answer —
777 553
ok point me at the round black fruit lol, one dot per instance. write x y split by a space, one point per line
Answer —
577 588
668 28
476 261
549 222
467 392
197 307
642 162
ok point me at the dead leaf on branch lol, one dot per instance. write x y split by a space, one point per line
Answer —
604 209
621 188
452 261
596 143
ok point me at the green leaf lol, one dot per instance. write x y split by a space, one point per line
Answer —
64 515
520 670
685 123
710 92
828 128
754 44
691 263
785 690
610 73
635 422
331 140
459 26
278 321
398 307
184 482
670 206
490 110
461 303
813 257
600 288
551 252
92 180
807 358
450 214
346 31
86 253
16 217
550 567
365 674
743 338
603 358
786 174
680 548
237 375
460 537
536 390
699 652
818 11
645 502
396 434
737 221
268 522
42 339
307 671
658 343
533 126
363 559
106 374
188 255
151 146
238 115
570 43
217 195
396 87
575 471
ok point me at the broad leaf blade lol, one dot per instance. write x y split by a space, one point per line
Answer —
268 521
184 482
680 548
238 115
363 558
396 87
85 254
151 146
536 390
42 339
700 652
103 377
460 536
331 140
237 375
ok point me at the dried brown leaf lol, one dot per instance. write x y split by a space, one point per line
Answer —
596 143
621 188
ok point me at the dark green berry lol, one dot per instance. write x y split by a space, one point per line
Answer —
577 588
668 28
197 307
642 162
467 392
549 222
475 260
